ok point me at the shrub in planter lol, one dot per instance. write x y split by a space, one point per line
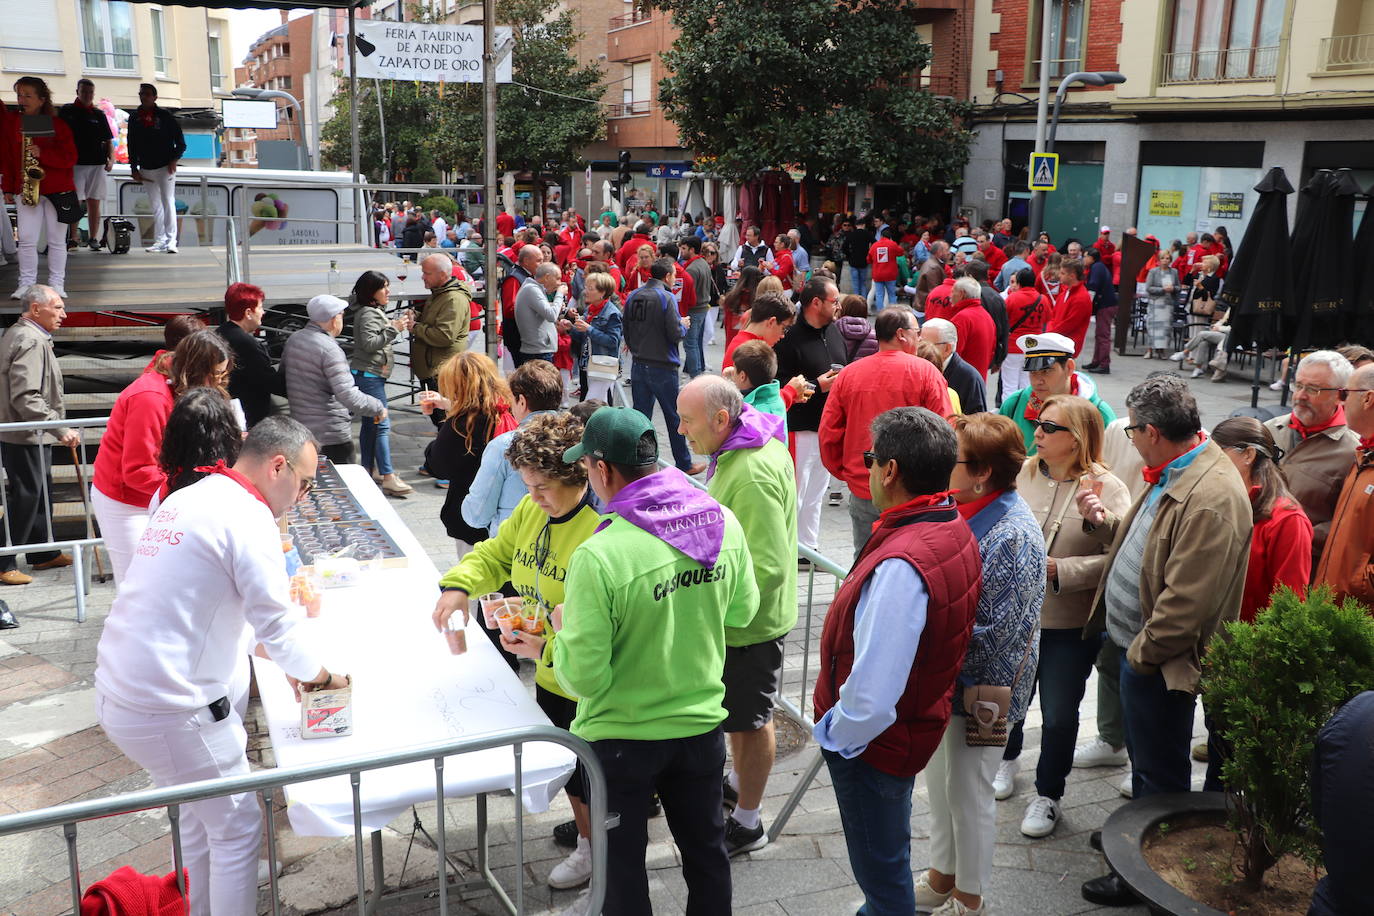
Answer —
1270 686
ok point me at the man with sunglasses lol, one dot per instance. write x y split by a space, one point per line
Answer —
172 664
1050 366
1317 443
1345 563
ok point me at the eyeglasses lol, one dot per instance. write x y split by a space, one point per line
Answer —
307 483
1048 428
1314 391
1345 392
1130 430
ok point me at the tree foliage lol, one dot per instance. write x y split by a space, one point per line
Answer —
824 85
434 127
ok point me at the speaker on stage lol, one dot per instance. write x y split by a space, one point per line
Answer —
118 232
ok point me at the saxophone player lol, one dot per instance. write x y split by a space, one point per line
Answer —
36 166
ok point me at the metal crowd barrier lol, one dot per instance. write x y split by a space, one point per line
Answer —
266 782
77 546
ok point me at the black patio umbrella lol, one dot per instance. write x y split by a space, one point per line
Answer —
1323 262
1259 284
1360 327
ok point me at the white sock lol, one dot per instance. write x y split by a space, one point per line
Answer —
583 843
747 817
733 779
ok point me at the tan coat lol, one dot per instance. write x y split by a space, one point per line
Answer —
1080 558
1316 467
1346 564
1192 576
30 382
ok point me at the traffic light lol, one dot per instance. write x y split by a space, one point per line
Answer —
624 175
615 189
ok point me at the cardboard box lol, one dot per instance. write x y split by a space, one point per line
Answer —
327 713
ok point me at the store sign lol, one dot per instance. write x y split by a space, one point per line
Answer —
429 53
1168 204
1225 205
665 171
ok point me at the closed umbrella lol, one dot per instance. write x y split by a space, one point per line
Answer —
728 240
1323 281
1361 317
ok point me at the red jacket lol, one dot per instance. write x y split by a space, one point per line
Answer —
864 389
1280 554
937 301
56 154
1072 311
782 267
1020 302
882 257
126 467
625 257
977 334
994 257
684 289
939 544
505 224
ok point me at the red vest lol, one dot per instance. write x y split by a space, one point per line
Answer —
939 544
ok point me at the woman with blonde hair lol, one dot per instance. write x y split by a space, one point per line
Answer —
1068 441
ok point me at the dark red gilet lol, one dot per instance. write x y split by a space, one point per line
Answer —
939 544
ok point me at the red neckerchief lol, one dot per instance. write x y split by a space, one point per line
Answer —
219 467
919 502
1366 443
1155 474
969 510
1337 419
147 116
1033 402
594 310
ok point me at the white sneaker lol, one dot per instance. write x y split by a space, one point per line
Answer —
927 898
1125 788
1099 753
1178 357
1197 373
582 906
18 293
157 246
953 907
576 869
1276 385
1042 816
1004 783
171 248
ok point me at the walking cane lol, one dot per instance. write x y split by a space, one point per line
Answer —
101 575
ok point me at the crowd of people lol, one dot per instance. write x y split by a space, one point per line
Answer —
1008 535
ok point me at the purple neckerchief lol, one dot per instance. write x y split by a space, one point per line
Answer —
667 505
753 429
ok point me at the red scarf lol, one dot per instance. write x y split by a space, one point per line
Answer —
1366 443
1155 474
1337 419
969 510
219 467
919 502
594 310
1033 403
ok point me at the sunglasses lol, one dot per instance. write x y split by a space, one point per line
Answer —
1048 428
1345 392
869 459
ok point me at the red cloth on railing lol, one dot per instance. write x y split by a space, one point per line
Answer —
130 893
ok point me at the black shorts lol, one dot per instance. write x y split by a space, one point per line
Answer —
751 684
561 712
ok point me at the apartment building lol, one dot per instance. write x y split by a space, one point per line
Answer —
1216 93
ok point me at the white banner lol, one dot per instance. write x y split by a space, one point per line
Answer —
431 53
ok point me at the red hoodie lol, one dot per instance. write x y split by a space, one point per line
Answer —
977 334
782 267
882 257
126 467
1073 308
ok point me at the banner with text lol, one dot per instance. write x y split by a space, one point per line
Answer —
431 53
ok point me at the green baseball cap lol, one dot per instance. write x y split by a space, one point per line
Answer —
616 435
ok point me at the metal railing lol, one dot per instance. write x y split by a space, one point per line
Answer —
78 546
266 782
1220 66
639 13
629 109
1347 52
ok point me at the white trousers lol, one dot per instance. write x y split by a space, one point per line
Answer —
812 480
1014 374
121 525
161 188
33 222
598 389
709 337
219 836
963 812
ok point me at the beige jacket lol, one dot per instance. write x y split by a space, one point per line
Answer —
1316 468
1192 575
1080 558
30 382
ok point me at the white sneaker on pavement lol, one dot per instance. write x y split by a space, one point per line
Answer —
1099 753
1127 791
1042 816
1276 385
1199 372
1178 357
953 907
157 247
576 869
171 248
1004 783
18 293
927 898
582 906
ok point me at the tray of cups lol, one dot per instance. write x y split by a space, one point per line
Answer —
327 476
369 539
320 507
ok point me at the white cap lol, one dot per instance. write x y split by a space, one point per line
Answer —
1041 350
323 308
1104 230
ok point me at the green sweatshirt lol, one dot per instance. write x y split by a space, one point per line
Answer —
767 398
510 556
759 483
642 647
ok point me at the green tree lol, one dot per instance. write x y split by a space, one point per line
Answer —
823 85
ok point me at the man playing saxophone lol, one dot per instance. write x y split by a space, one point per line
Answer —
35 167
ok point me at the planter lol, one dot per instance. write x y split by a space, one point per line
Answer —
1124 835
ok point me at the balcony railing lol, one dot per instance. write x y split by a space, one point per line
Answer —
1347 52
935 85
635 16
629 109
1230 65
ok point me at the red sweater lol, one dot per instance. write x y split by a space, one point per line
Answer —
126 467
1280 554
882 257
1019 302
56 154
866 388
994 257
937 301
977 335
625 257
782 267
1072 310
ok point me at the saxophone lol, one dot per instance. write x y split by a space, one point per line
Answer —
33 174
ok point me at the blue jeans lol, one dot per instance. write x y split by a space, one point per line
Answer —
885 293
656 383
859 277
875 811
694 355
1159 732
374 438
521 358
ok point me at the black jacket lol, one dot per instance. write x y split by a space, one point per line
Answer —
811 352
996 306
413 233
968 384
254 379
1342 804
157 146
855 251
449 458
1100 282
653 327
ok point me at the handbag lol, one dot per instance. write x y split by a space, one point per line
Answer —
603 368
67 205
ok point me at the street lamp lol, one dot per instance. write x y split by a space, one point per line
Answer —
1037 208
248 92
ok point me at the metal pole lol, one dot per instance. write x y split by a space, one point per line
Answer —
1037 207
381 123
489 168
353 120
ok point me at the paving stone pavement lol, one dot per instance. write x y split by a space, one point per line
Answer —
52 751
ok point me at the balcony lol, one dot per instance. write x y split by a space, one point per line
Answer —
634 17
935 85
629 109
1230 65
1347 53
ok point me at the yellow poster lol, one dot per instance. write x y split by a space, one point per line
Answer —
1168 204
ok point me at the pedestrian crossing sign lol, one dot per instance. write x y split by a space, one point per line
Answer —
1044 171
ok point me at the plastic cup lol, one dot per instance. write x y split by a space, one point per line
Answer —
493 603
457 640
532 618
508 624
1094 487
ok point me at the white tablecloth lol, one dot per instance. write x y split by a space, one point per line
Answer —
408 690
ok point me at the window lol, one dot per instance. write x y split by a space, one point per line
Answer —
216 67
640 86
107 36
1067 18
1217 40
30 41
162 54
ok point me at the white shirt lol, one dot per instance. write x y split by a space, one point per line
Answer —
440 228
208 568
